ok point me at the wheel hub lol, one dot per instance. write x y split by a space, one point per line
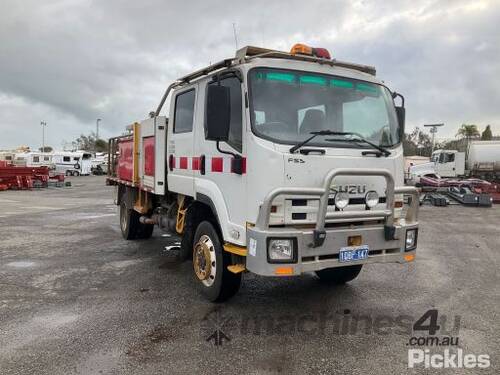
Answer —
204 260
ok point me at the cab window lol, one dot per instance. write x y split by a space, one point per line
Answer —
184 112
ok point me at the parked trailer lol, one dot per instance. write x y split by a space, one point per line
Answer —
73 163
483 159
19 177
272 163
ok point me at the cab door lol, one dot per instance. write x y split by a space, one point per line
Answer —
180 140
220 179
447 164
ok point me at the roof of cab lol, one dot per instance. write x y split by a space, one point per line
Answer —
249 53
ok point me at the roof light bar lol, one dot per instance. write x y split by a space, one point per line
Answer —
302 49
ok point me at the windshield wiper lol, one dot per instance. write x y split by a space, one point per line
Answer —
358 139
314 135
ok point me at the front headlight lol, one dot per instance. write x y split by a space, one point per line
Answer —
341 200
371 199
411 239
281 250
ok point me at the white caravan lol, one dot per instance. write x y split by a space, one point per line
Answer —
33 159
7 156
73 163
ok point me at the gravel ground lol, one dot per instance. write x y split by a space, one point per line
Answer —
76 298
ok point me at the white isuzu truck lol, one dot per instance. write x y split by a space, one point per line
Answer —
274 163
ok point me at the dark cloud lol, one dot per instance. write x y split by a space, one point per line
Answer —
69 62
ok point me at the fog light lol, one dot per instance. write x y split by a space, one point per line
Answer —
281 250
411 239
371 199
341 200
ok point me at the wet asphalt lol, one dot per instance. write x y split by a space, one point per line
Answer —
75 298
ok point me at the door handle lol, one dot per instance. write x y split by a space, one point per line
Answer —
202 164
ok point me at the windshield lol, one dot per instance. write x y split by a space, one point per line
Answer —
286 106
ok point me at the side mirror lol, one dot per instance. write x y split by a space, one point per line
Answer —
401 113
218 113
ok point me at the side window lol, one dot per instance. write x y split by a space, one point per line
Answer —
236 125
66 159
46 158
76 158
184 112
451 158
36 159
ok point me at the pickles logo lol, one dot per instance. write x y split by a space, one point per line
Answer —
436 336
448 359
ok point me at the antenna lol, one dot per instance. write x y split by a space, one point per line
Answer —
433 131
235 36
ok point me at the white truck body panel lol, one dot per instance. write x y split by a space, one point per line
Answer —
154 129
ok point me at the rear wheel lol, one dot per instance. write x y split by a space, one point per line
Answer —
145 231
210 263
129 222
339 275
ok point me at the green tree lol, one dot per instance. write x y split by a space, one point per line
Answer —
101 145
90 143
422 142
468 131
487 135
46 149
409 147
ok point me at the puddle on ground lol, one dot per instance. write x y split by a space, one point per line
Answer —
175 247
21 264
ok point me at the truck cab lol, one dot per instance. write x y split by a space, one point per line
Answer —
449 163
278 164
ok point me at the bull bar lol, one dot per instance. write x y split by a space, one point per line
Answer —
392 234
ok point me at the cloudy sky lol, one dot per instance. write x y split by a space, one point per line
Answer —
68 62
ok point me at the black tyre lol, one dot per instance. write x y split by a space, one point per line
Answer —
210 263
339 275
129 222
145 231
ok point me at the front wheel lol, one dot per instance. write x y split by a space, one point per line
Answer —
339 275
210 263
